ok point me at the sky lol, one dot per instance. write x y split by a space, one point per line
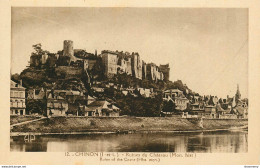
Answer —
207 48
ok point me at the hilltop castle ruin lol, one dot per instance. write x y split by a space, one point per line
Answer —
112 63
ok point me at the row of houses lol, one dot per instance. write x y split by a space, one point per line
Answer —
59 102
69 102
208 107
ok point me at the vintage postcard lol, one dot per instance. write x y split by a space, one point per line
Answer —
167 83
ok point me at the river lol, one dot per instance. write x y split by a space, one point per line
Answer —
209 142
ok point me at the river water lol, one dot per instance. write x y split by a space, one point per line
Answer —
210 142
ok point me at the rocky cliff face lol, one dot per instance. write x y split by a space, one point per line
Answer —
63 77
34 77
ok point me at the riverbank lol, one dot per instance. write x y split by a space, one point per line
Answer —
125 124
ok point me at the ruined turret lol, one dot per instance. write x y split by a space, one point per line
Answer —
165 69
68 48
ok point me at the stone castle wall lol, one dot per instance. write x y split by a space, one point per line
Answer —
124 65
131 65
109 61
89 64
68 71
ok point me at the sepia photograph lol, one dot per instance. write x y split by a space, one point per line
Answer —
112 79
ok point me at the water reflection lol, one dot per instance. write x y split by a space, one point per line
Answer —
217 142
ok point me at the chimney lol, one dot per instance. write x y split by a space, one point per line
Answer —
21 82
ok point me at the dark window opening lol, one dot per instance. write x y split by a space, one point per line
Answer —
89 113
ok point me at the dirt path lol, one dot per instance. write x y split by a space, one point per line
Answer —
26 122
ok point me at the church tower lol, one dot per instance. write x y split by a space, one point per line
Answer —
238 94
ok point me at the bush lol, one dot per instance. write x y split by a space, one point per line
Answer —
92 123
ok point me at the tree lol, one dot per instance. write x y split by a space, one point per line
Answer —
188 108
211 102
15 77
179 85
110 92
36 106
206 98
168 106
193 100
38 49
220 101
140 106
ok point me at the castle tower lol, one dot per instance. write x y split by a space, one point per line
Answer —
136 65
68 49
165 69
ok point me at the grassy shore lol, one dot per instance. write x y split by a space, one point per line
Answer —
114 124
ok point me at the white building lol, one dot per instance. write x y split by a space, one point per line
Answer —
17 99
